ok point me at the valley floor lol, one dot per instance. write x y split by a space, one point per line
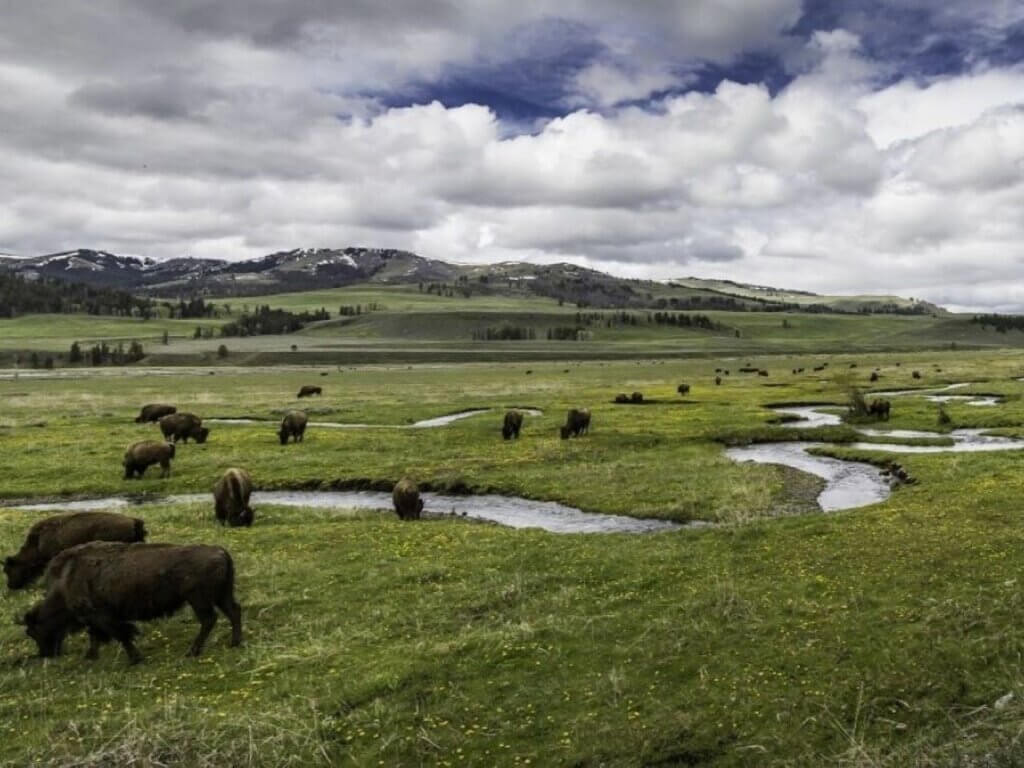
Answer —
883 635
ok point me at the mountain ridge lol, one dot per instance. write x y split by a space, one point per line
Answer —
305 269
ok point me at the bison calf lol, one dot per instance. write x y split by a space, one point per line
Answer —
512 425
293 425
231 498
140 456
154 412
309 391
407 501
104 587
182 426
51 536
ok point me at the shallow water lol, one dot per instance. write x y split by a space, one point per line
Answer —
437 421
506 510
848 484
852 484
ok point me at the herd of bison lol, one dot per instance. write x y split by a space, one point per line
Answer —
101 575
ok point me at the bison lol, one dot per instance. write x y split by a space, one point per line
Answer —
140 456
407 501
154 412
577 422
292 425
512 425
684 389
231 498
880 408
182 426
622 397
309 391
51 536
874 376
718 380
915 374
636 397
104 587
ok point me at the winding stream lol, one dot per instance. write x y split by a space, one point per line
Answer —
510 511
853 484
437 421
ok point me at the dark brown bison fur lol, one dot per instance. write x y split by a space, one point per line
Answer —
577 422
309 391
104 587
293 425
140 456
684 389
512 425
874 376
182 426
231 498
406 497
622 397
880 408
718 380
51 536
916 374
154 412
636 397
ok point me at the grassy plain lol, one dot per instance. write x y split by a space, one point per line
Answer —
408 326
879 636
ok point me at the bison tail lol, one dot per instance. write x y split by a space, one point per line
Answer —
140 530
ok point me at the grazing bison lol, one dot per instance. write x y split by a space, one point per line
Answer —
880 408
141 455
406 497
718 380
916 374
154 412
762 372
874 376
684 389
513 423
309 391
51 536
231 498
182 426
105 586
622 397
636 397
577 422
292 425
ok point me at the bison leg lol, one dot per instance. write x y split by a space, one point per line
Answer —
165 468
233 611
207 619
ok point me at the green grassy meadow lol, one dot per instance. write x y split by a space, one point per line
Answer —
879 636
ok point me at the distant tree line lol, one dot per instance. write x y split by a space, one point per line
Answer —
266 321
19 296
104 354
1001 323
505 333
349 310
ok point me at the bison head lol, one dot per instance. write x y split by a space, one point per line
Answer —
19 574
201 434
564 432
48 624
283 434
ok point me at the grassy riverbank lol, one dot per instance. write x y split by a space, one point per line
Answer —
882 635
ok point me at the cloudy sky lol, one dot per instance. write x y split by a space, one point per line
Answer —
830 145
